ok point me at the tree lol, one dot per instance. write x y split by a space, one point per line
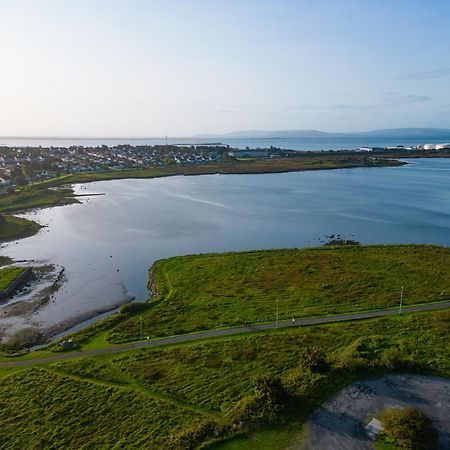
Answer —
20 180
28 170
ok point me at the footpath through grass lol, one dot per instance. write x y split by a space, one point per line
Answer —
185 396
221 290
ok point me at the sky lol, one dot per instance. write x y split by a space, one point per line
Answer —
132 68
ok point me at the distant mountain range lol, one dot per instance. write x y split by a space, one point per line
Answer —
283 134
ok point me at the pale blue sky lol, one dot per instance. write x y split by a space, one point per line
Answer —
147 68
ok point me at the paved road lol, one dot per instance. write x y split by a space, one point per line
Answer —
225 332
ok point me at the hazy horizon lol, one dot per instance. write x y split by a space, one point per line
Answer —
148 69
231 135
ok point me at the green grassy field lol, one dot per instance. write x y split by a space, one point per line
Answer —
175 396
44 409
221 290
8 275
12 227
34 196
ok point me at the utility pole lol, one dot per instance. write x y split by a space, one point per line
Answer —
142 330
401 301
277 316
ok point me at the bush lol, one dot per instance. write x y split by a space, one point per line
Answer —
409 429
392 359
264 406
314 359
353 358
133 308
193 434
302 383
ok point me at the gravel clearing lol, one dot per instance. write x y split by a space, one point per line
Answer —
339 423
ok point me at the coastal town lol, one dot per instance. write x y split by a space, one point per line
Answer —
22 165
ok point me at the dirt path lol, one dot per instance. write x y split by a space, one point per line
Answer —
224 332
339 423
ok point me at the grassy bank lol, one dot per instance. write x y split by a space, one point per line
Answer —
185 395
34 196
220 290
12 227
8 275
306 161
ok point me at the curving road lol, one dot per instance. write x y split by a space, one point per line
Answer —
226 332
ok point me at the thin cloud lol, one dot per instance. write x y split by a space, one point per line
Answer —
426 75
397 98
387 100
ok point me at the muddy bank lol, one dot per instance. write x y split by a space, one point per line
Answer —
32 316
52 331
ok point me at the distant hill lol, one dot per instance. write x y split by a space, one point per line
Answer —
261 134
389 132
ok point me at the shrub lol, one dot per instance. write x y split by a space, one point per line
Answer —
302 382
314 359
264 405
193 434
392 359
409 429
134 308
353 358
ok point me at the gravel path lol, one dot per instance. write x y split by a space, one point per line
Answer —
339 423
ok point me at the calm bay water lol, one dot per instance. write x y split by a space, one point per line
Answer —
107 243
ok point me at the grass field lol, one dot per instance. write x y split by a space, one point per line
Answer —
34 197
219 290
149 398
43 409
8 275
12 227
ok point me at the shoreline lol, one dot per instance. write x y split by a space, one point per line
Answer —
64 194
52 332
22 311
70 322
